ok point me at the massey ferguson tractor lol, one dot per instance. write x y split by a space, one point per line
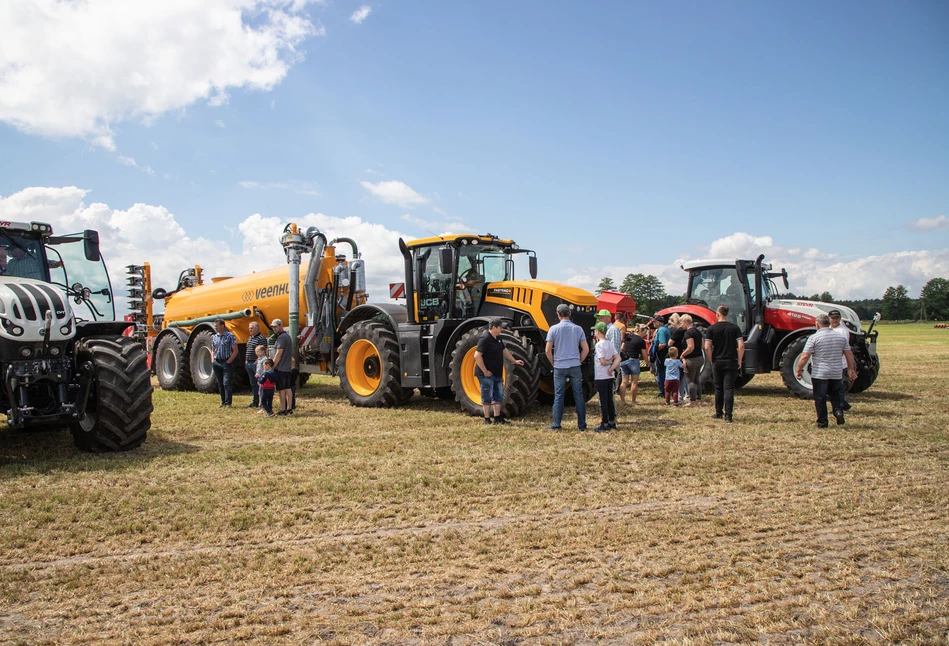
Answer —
382 352
775 330
64 359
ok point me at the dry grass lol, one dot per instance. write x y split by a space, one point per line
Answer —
420 525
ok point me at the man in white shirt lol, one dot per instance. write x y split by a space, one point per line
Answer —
844 332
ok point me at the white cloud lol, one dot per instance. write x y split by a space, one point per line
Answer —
76 69
219 123
361 14
438 228
151 233
931 224
395 192
810 271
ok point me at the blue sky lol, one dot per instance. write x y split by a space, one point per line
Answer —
611 137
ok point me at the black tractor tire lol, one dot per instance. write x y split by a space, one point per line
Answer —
369 366
118 413
172 365
202 356
868 369
802 388
521 382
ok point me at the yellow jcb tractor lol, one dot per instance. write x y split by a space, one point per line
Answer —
454 285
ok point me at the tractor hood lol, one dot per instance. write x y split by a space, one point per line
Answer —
24 303
805 311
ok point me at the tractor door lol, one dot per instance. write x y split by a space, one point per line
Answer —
434 286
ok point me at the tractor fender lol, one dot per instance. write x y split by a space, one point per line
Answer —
697 312
391 313
86 329
786 341
461 330
168 331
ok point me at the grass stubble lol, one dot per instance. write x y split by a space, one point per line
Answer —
419 525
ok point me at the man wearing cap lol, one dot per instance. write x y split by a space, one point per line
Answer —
566 349
489 369
824 348
844 332
283 364
224 348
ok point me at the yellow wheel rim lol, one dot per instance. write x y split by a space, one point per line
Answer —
547 386
469 381
363 367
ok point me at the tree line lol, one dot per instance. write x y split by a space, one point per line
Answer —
895 304
647 290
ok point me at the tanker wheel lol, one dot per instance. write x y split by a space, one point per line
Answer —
520 382
802 387
742 380
369 367
171 365
118 412
202 356
868 369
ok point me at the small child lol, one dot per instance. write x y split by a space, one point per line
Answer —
673 370
268 385
261 352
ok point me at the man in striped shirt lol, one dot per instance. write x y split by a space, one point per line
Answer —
825 348
254 339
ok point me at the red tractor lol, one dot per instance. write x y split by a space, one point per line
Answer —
775 329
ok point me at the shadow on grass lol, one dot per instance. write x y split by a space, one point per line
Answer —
41 451
880 396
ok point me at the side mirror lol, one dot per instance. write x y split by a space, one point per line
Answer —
90 245
877 317
446 260
784 275
532 266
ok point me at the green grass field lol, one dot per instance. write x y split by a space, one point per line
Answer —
419 525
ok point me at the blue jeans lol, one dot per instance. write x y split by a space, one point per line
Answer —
492 390
251 369
824 389
575 375
660 369
223 371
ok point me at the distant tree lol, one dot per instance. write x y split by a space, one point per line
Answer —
606 285
826 298
647 290
897 305
935 298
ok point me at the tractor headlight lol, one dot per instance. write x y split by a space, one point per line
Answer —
64 329
26 352
54 352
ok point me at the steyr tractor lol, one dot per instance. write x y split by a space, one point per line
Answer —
64 359
775 329
453 286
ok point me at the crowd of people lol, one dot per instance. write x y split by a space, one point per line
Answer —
673 350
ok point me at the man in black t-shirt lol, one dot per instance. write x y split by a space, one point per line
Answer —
724 349
633 351
489 369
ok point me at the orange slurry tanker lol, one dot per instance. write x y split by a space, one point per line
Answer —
333 285
382 352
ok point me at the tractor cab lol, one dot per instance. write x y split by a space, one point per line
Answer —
745 286
448 275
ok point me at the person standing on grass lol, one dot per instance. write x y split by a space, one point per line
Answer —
825 348
489 369
691 356
659 351
724 350
268 384
613 334
254 339
606 360
224 348
262 358
283 349
633 353
677 336
673 372
566 350
844 332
